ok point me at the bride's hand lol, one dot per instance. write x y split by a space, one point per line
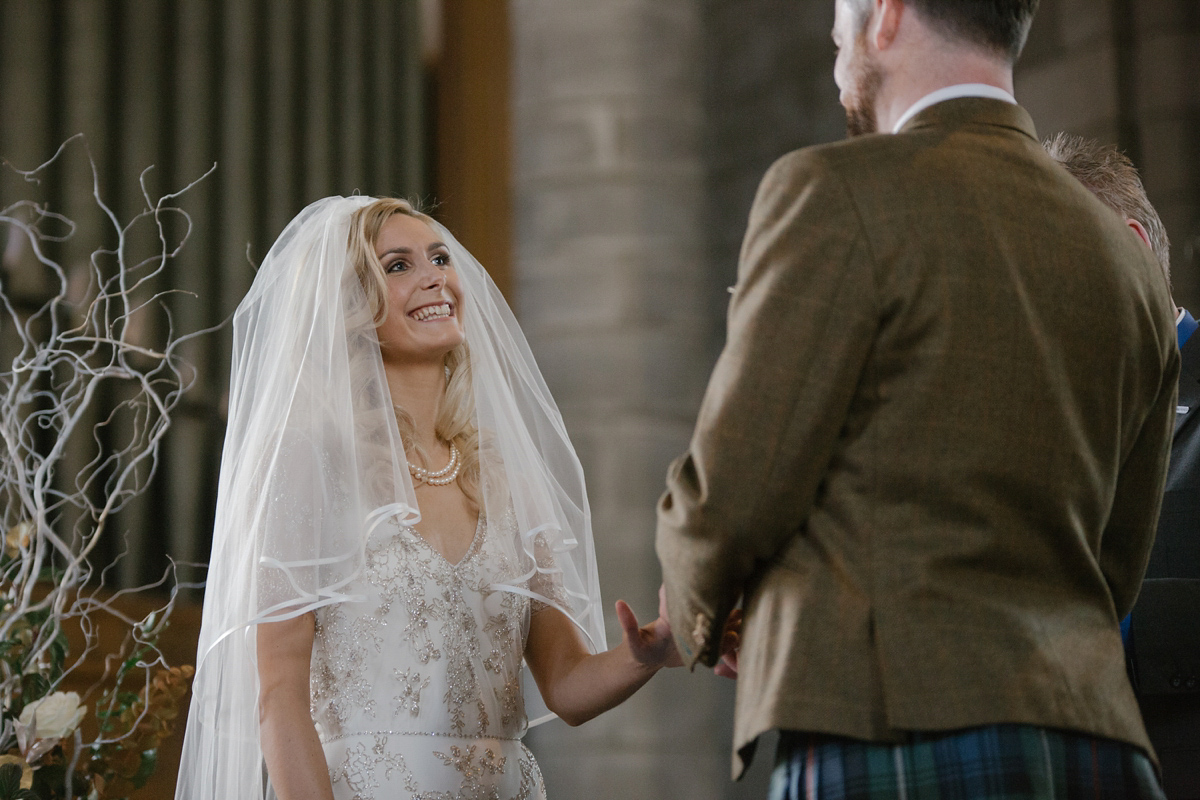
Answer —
652 645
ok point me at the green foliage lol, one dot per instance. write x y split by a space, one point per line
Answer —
10 784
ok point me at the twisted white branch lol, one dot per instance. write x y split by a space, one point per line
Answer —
66 353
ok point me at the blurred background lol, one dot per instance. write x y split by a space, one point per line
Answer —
598 157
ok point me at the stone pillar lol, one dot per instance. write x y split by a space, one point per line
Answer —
610 285
1125 72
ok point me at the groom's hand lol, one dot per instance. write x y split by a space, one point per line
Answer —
651 645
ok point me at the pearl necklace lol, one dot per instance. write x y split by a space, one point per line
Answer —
446 475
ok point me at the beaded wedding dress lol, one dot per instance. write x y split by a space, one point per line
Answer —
417 690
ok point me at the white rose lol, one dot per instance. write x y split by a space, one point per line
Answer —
55 716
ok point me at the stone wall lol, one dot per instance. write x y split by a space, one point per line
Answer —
1126 72
769 90
609 194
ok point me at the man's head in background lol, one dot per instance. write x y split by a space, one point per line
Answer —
1115 181
886 48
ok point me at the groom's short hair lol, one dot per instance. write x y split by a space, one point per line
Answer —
1111 176
998 25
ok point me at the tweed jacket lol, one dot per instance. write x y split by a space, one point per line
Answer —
930 457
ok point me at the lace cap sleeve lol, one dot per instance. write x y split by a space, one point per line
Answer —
547 581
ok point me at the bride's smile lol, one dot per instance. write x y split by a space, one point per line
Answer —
433 312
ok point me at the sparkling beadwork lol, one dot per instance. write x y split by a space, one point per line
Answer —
427 670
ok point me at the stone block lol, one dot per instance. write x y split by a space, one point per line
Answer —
736 69
638 751
1168 66
1171 156
1045 36
599 137
1085 22
657 370
684 720
1091 98
661 202
553 138
631 773
608 282
607 49
1167 16
1181 215
633 451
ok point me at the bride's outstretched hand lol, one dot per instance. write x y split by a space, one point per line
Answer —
652 645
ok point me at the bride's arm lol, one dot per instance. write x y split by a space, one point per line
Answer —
577 685
295 760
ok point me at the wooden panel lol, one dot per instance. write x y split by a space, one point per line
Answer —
178 646
473 143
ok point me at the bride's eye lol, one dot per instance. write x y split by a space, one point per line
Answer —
441 260
399 265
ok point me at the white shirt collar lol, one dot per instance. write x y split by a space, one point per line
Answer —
1179 316
953 93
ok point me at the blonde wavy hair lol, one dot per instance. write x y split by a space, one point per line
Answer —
456 414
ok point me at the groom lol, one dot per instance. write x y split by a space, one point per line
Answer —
930 458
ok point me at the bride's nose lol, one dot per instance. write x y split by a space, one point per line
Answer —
433 278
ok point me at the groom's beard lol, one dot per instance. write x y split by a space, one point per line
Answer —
867 81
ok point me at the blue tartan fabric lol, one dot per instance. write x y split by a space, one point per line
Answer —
1001 762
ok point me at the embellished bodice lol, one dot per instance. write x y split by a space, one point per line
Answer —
421 681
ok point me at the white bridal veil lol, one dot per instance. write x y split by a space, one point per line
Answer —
313 466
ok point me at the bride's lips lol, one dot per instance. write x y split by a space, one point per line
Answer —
432 312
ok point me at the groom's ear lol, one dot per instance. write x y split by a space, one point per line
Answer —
884 25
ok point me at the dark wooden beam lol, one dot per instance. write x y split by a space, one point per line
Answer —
472 181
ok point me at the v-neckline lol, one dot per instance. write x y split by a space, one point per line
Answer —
471 548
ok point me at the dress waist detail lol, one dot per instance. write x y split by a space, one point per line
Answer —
443 735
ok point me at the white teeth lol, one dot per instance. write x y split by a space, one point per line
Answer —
431 312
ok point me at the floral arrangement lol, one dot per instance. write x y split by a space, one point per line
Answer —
68 341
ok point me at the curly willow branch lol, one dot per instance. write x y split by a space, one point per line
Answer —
68 355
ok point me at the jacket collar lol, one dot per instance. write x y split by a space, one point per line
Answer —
973 111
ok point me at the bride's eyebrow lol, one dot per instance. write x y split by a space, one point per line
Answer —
403 251
437 246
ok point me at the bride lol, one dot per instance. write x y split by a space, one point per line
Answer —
401 525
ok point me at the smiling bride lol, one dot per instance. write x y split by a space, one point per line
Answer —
401 528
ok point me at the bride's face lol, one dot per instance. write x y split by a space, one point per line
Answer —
423 293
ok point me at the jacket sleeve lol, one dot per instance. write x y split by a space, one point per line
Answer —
1127 538
801 323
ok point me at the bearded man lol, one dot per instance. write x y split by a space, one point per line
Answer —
930 458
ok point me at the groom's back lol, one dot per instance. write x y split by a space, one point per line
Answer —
988 505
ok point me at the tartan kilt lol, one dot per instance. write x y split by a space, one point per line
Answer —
999 762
